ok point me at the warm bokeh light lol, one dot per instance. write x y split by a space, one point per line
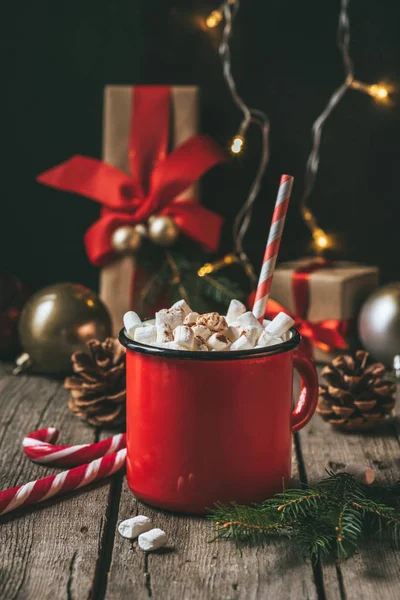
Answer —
237 144
321 239
380 92
214 19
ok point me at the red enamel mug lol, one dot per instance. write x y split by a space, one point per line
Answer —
207 427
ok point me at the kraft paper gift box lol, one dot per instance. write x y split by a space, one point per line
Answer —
117 278
332 292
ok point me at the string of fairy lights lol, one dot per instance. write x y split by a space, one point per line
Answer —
227 13
380 92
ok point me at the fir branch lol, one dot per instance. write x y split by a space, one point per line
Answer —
220 289
330 519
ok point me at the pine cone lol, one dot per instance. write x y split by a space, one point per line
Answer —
357 396
98 389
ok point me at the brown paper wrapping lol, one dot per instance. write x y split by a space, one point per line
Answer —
336 292
117 277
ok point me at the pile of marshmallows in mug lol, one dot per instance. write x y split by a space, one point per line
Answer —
179 328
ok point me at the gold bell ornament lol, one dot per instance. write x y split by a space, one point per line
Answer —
128 239
163 230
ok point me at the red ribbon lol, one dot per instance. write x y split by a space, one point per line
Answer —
329 334
155 182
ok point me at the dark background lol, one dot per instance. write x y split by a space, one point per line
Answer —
60 55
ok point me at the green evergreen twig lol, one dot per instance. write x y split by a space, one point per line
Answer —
329 520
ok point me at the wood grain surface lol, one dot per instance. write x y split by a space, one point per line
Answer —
68 548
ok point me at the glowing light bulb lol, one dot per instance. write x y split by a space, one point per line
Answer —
237 144
379 92
321 240
214 19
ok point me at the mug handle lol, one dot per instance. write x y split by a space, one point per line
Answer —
308 397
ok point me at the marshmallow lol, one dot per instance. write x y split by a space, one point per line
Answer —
213 321
145 335
172 346
268 340
183 305
242 343
131 528
172 317
280 325
232 333
252 333
191 319
152 540
164 333
184 336
236 308
131 321
265 339
200 344
248 319
218 341
201 331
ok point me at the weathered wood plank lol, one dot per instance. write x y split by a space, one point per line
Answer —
194 569
48 551
373 574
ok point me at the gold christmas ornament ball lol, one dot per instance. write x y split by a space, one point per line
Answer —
59 320
127 238
163 231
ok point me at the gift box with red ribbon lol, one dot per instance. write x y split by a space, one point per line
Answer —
324 299
152 161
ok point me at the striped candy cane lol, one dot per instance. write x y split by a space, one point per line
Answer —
39 447
272 249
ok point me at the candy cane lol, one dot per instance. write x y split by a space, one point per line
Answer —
39 447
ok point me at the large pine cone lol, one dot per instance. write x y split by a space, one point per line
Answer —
98 389
357 396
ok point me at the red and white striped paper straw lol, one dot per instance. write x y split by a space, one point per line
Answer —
272 249
38 446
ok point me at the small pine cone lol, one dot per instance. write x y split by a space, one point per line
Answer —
98 389
358 396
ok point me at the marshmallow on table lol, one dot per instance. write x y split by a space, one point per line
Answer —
132 528
164 333
191 319
172 317
183 305
201 331
280 325
218 341
152 540
184 336
145 335
242 343
131 322
236 308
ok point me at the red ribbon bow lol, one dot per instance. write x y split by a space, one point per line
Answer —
329 334
156 181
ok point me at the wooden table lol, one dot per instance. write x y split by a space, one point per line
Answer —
68 548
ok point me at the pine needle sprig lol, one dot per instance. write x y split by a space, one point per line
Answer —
329 520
